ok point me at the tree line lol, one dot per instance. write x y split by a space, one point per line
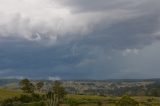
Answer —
32 94
55 95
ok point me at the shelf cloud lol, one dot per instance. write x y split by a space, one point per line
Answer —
79 39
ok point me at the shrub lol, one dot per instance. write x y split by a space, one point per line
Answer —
17 101
127 101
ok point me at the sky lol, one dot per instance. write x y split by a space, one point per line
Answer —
80 39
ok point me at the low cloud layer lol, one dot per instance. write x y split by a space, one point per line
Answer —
79 39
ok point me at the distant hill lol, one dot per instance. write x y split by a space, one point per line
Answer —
112 87
4 82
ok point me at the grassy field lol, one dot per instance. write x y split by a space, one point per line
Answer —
4 94
87 100
110 101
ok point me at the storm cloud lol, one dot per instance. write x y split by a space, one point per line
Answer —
79 39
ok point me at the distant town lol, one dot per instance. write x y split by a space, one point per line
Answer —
97 87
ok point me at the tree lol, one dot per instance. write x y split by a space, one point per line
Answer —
127 101
27 86
56 95
39 85
59 90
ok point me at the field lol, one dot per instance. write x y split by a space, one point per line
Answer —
86 100
4 94
110 101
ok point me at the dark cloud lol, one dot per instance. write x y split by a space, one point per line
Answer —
98 40
96 6
107 5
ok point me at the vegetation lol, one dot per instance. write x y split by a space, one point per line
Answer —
39 85
55 95
127 101
5 94
27 86
75 100
153 90
22 99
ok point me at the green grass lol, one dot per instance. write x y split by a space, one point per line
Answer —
85 100
110 101
4 94
32 104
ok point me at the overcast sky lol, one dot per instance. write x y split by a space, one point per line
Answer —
80 39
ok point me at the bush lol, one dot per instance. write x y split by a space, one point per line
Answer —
32 104
10 102
17 101
72 102
30 98
127 101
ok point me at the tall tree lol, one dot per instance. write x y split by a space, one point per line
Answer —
39 85
27 86
56 95
59 90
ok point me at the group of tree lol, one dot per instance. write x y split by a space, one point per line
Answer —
53 97
24 99
147 90
28 87
153 89
56 94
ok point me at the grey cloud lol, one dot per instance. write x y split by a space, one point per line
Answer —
78 45
107 5
94 5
